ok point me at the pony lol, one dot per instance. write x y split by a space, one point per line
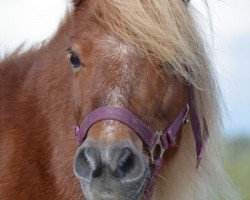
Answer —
136 54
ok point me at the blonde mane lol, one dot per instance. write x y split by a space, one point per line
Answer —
166 30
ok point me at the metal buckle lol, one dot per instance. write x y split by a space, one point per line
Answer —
157 143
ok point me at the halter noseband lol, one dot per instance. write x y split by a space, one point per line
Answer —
163 139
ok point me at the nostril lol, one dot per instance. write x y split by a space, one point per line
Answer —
82 167
97 171
125 163
88 163
126 160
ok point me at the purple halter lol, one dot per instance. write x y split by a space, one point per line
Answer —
163 139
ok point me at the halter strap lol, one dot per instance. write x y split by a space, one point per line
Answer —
147 136
118 114
200 143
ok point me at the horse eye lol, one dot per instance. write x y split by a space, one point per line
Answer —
74 59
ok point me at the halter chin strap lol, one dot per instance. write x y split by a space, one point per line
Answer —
163 139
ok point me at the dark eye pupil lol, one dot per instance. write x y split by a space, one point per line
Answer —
75 60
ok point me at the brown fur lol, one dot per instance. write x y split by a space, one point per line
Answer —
32 108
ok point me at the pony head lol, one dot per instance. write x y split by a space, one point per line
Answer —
138 55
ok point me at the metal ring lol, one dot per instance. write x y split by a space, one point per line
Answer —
158 142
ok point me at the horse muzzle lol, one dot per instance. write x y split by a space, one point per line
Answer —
116 171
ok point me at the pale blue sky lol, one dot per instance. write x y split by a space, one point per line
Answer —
31 21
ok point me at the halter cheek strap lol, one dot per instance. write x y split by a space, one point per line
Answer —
196 126
163 139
